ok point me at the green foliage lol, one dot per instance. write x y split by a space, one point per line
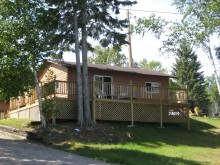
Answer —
187 69
212 89
48 89
103 23
174 84
106 56
49 108
16 76
154 24
24 43
152 65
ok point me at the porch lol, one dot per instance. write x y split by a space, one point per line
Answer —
112 102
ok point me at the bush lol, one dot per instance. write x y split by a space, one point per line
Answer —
49 108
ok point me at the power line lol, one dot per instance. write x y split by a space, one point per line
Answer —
149 11
208 64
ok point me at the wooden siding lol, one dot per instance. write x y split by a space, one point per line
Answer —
122 77
60 73
4 106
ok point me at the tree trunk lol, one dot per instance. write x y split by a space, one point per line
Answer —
78 67
42 118
215 70
88 118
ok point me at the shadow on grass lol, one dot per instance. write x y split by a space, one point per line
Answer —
149 136
200 135
130 157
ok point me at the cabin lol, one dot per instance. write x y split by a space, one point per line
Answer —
116 94
4 107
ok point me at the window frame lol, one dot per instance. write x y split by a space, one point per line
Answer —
152 88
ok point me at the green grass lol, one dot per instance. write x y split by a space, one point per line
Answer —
22 124
150 145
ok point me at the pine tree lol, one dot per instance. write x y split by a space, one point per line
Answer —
97 19
187 69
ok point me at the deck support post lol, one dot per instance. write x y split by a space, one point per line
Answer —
132 104
161 109
93 102
132 114
53 119
161 116
188 120
93 110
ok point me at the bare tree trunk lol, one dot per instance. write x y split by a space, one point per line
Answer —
78 67
88 118
42 118
215 70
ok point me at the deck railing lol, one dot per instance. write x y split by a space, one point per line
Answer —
129 91
103 91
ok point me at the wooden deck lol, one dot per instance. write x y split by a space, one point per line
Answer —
113 102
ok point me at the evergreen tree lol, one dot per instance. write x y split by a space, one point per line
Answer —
97 19
187 69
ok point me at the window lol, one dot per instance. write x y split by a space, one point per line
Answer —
152 87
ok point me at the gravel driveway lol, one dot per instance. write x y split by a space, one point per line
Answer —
18 152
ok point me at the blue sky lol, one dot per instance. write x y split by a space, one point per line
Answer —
147 46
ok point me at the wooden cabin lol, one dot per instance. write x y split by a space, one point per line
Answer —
116 94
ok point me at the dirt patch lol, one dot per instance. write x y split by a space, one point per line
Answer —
216 131
97 133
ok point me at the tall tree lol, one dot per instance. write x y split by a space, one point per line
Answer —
98 20
87 114
187 69
31 36
78 66
200 22
106 56
212 89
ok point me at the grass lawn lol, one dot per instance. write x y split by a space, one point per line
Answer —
150 145
22 124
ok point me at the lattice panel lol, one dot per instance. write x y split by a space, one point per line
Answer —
24 114
34 113
121 111
146 112
2 115
174 114
113 111
14 115
67 109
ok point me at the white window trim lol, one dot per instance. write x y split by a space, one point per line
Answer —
103 81
154 88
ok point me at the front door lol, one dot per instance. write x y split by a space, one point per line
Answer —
103 85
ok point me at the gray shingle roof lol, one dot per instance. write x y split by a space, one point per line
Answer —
118 69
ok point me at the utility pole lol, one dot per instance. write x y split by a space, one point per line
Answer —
130 59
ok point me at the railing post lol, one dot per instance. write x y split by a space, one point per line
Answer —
55 81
